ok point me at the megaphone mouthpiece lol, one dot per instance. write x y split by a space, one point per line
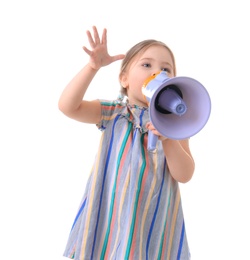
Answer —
169 100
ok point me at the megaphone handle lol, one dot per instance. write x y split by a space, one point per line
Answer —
152 140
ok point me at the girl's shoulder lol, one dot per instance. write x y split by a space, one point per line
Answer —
113 103
120 110
121 107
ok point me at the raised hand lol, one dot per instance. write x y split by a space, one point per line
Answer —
99 56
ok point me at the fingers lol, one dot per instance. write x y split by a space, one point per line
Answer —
87 50
94 39
91 41
150 127
96 35
98 48
104 36
118 57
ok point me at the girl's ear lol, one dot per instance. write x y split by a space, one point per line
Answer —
123 80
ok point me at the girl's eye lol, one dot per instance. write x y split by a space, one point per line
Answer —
166 69
147 65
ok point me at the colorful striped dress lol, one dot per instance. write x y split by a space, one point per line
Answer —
131 208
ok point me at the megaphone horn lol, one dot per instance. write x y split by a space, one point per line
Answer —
179 107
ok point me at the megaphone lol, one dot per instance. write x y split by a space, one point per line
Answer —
179 107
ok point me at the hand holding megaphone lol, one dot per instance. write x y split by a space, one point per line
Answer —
179 107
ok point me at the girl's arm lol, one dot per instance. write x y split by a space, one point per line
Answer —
179 159
178 155
71 102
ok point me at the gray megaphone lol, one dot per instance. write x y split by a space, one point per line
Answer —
179 107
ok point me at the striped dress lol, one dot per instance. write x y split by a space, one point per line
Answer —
131 208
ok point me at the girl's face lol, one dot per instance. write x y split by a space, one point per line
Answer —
154 59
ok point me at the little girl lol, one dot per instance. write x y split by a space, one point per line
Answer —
131 207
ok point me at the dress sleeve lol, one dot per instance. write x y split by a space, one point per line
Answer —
109 110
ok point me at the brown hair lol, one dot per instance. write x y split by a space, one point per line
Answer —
137 49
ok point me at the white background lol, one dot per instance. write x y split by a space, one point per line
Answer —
46 157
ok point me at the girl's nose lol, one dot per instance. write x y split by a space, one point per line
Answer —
155 74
